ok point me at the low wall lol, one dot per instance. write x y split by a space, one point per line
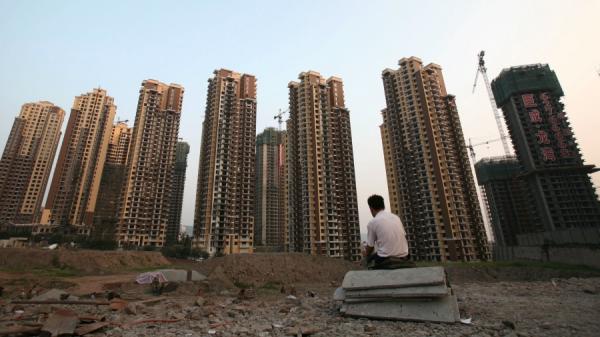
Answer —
583 255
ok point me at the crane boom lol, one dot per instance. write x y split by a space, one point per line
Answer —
482 69
471 146
279 117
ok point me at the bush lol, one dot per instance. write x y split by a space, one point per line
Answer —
183 251
99 244
149 248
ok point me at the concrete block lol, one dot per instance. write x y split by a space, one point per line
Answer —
55 294
339 294
444 309
398 278
407 292
180 275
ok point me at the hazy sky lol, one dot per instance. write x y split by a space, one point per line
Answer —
55 50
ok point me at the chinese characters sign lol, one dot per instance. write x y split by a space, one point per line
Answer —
547 118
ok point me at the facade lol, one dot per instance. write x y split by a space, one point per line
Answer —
506 198
118 146
322 202
148 185
224 214
562 195
174 222
76 181
27 160
430 183
271 202
111 183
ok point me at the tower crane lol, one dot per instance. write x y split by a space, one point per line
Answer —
471 146
279 117
483 70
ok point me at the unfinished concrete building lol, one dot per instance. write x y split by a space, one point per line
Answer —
224 215
506 198
322 202
176 204
111 184
76 181
146 196
430 183
271 202
563 196
27 160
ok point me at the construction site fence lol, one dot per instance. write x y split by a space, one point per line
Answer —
561 237
588 255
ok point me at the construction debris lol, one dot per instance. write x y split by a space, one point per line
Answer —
55 294
415 294
89 328
61 322
169 275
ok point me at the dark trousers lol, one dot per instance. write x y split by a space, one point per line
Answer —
375 261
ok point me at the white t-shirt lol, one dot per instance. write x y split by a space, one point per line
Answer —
386 232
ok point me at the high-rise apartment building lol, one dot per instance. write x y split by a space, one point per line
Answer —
563 196
271 202
76 181
146 196
322 201
174 222
118 146
27 160
506 198
224 215
111 184
431 186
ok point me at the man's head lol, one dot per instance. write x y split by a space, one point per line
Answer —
376 204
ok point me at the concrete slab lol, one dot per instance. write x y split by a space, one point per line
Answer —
444 309
397 278
407 292
55 294
180 275
339 294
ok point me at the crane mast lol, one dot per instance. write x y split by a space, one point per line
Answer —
482 69
279 117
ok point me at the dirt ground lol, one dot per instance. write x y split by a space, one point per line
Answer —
291 294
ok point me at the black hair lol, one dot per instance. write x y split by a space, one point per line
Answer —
376 202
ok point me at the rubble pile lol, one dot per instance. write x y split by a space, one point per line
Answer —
413 294
297 304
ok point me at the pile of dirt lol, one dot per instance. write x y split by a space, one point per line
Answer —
272 269
86 261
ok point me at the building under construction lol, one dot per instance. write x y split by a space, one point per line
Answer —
430 182
271 201
146 196
176 204
27 160
111 184
322 201
74 190
562 195
506 198
224 215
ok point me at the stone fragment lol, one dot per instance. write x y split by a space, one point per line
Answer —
370 328
61 322
55 294
339 294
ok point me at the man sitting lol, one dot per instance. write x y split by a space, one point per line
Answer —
386 232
